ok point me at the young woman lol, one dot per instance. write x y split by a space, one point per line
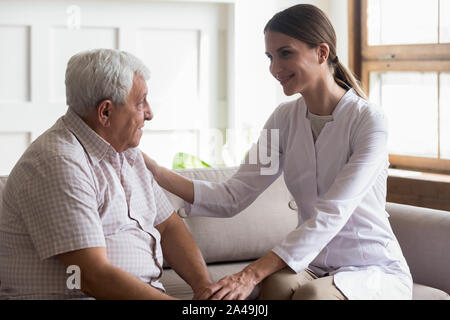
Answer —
332 152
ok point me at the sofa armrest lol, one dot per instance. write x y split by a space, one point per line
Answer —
424 236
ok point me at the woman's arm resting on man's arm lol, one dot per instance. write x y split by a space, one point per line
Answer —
102 280
171 181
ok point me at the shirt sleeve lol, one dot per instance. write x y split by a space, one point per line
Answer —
60 208
262 165
333 210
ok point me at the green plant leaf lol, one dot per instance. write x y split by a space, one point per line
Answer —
187 161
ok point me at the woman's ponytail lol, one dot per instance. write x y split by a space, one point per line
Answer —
345 78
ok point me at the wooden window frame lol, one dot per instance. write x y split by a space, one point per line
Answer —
364 59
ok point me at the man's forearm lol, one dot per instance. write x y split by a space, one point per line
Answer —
110 282
102 280
184 256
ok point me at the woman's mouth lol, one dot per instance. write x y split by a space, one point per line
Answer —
284 80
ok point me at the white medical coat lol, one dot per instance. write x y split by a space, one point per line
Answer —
339 185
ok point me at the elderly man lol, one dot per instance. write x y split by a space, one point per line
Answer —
81 198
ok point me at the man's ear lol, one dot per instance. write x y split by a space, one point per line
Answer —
323 51
104 110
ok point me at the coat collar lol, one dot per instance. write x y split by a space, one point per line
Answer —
340 107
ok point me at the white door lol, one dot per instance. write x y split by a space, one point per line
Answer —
181 43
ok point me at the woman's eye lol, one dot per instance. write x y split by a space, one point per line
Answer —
285 53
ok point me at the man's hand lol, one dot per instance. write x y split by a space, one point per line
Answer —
200 289
237 286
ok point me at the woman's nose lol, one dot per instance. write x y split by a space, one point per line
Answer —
275 68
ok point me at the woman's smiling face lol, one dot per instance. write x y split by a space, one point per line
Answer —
292 62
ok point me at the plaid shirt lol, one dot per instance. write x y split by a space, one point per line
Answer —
71 190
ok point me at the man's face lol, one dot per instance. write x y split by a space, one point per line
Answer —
127 121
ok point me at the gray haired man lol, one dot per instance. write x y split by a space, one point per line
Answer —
81 198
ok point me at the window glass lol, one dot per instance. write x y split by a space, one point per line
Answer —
444 32
410 101
445 115
392 22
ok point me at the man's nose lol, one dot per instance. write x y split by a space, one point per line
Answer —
148 114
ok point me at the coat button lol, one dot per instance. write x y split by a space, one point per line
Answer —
182 213
292 205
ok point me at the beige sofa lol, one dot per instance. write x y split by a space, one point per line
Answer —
230 244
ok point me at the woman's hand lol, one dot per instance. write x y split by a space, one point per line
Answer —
151 165
240 285
171 181
237 286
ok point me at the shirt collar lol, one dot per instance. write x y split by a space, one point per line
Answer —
131 155
96 147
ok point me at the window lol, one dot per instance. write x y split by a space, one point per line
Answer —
401 52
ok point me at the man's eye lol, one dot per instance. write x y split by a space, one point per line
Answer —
285 53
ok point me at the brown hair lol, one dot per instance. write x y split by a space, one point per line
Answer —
310 25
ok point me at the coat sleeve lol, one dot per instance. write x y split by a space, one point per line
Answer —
262 165
334 208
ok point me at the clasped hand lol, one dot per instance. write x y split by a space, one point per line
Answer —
237 286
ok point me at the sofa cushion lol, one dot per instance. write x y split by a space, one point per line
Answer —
421 292
2 186
424 236
248 235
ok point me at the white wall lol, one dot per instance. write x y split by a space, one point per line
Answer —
255 91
